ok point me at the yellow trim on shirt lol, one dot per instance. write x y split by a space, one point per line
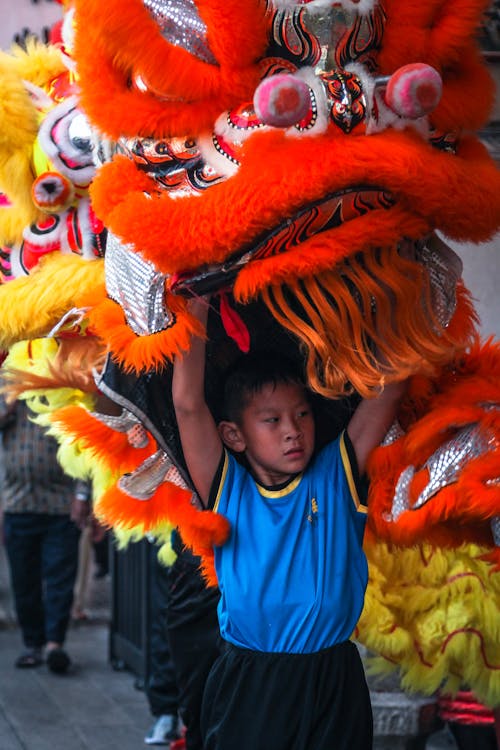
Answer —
221 483
350 478
279 493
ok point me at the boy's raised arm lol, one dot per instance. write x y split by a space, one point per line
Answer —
371 421
198 432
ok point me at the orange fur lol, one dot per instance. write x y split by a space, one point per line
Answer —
108 445
462 510
442 34
279 175
344 316
169 504
141 353
300 171
110 45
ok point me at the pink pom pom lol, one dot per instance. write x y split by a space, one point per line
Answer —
281 100
414 90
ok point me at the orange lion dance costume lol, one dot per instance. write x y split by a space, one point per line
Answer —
295 160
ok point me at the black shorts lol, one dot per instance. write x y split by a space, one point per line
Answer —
262 701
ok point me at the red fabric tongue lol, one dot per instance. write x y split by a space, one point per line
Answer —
234 325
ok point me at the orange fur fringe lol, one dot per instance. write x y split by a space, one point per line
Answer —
143 353
170 504
379 303
432 190
200 530
108 445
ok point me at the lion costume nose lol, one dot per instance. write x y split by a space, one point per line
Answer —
52 191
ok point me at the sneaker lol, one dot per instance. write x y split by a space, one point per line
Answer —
57 660
165 730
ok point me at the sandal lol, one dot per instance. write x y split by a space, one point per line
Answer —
30 658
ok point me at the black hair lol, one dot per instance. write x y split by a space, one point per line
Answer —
250 373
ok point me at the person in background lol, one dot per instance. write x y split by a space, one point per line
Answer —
193 632
44 512
184 645
161 684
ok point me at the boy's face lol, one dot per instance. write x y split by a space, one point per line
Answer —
276 431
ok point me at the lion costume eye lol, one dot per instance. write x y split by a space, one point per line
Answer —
79 134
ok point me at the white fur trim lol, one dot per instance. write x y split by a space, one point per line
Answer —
367 83
16 268
389 119
68 30
79 177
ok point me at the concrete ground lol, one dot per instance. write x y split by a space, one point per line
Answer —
92 707
95 707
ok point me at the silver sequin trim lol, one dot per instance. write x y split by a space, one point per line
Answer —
138 287
443 466
119 423
401 501
394 433
142 483
449 460
181 25
445 270
125 422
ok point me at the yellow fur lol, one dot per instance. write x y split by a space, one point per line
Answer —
34 357
433 614
39 64
30 306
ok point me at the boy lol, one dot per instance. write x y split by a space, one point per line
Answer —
292 575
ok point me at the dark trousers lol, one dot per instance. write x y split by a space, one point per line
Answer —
275 701
193 631
161 685
470 737
42 550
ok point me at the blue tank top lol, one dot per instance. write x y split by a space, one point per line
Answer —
293 573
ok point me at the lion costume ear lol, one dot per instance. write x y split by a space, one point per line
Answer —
40 99
442 33
109 46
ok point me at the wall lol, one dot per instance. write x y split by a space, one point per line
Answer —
17 15
482 278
